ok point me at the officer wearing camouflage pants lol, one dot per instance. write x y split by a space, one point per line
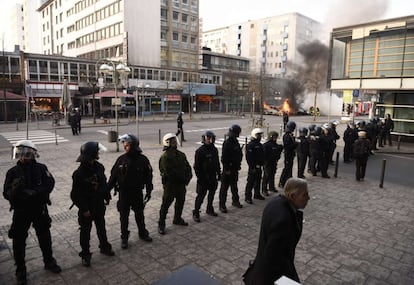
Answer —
175 175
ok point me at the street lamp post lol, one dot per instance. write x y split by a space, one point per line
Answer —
109 67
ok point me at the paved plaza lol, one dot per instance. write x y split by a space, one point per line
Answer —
353 233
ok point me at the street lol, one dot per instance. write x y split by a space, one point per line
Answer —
354 232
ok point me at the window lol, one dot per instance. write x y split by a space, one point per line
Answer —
184 38
184 18
175 15
175 36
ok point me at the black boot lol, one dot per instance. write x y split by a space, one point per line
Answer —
196 216
161 227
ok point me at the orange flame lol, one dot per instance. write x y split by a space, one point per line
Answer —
286 106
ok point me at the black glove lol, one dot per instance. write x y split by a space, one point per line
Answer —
107 199
147 197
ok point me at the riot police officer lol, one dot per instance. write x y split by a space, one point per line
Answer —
349 137
289 146
272 152
175 175
89 194
27 187
302 151
255 161
231 158
132 172
208 172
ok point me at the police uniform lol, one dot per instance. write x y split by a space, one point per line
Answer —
89 191
272 152
207 170
175 174
231 158
27 187
255 160
132 172
302 152
289 146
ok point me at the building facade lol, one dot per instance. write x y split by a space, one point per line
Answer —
157 33
270 43
375 62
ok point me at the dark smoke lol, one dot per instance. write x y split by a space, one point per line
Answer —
313 52
342 13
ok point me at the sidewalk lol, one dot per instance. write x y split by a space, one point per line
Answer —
354 233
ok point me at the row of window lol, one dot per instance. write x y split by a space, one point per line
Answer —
43 70
389 56
105 33
97 16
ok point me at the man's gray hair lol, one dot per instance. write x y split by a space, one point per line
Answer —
295 185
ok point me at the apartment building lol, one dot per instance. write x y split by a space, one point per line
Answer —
374 62
270 43
156 33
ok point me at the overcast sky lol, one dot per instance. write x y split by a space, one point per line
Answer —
334 13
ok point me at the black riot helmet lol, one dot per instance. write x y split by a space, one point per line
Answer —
89 151
303 132
318 131
132 140
290 126
234 130
208 134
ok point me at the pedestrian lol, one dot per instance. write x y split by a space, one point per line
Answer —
180 124
131 173
90 194
285 119
289 146
27 187
175 176
78 119
73 122
302 151
381 133
388 128
231 158
361 150
255 161
272 152
280 231
208 172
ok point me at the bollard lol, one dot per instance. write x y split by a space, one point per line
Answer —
280 133
384 162
56 137
159 136
336 164
17 125
398 142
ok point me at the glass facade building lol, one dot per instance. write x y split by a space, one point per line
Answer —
377 58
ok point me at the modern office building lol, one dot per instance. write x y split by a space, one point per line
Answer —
270 43
374 62
156 33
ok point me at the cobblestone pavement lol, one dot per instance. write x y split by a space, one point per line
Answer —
354 233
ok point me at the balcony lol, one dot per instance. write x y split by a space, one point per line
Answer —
284 58
285 46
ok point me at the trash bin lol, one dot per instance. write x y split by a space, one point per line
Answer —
112 136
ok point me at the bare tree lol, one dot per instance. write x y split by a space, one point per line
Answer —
314 70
